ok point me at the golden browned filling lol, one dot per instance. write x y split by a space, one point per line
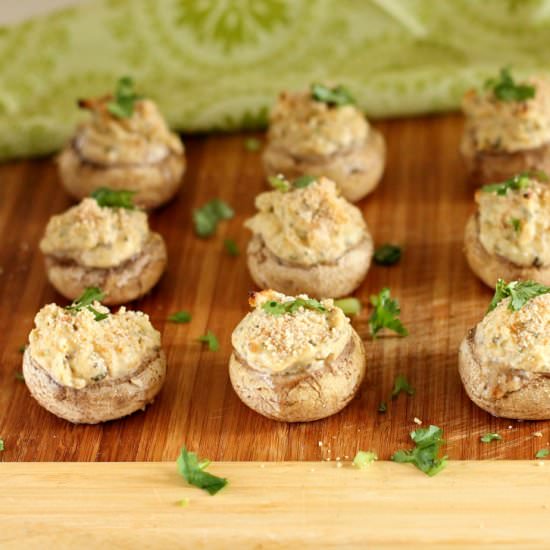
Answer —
76 350
509 126
516 225
306 127
287 341
309 225
511 346
96 236
141 138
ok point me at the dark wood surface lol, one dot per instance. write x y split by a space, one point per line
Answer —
422 204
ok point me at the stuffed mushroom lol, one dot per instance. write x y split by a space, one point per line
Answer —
125 145
504 361
295 359
509 235
507 128
88 365
308 239
323 133
110 247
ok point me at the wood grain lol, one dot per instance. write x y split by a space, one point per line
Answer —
275 505
422 203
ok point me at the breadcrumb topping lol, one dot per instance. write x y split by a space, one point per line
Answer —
508 125
513 345
305 338
95 236
307 127
516 226
142 138
310 225
76 350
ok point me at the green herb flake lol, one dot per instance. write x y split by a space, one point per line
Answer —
543 453
401 384
207 217
180 317
19 376
385 314
22 348
280 308
252 145
210 339
303 181
122 105
88 297
520 293
336 96
1 444
383 407
516 224
364 458
114 199
487 438
193 470
231 247
505 88
387 254
280 183
183 503
424 455
517 183
350 306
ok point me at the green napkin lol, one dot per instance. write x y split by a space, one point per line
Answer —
218 64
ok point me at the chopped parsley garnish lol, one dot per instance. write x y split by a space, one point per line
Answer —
487 438
184 502
505 88
364 458
180 317
516 224
303 181
520 293
543 453
401 384
193 470
89 296
336 96
122 105
210 339
280 183
387 254
19 376
350 306
207 217
518 182
252 145
280 308
385 314
231 247
425 453
114 199
383 407
1 444
22 348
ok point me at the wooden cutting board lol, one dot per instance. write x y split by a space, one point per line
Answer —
422 204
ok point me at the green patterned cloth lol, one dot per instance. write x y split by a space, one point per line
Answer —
218 64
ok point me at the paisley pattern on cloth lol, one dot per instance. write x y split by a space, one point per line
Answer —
218 64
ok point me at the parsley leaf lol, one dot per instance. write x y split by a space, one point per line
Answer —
520 293
280 183
303 181
207 217
383 407
231 247
385 314
210 339
401 384
22 348
180 317
506 89
19 376
114 199
518 182
125 97
89 296
1 444
516 224
350 306
387 254
487 438
364 458
543 453
424 455
280 308
336 96
252 144
192 469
